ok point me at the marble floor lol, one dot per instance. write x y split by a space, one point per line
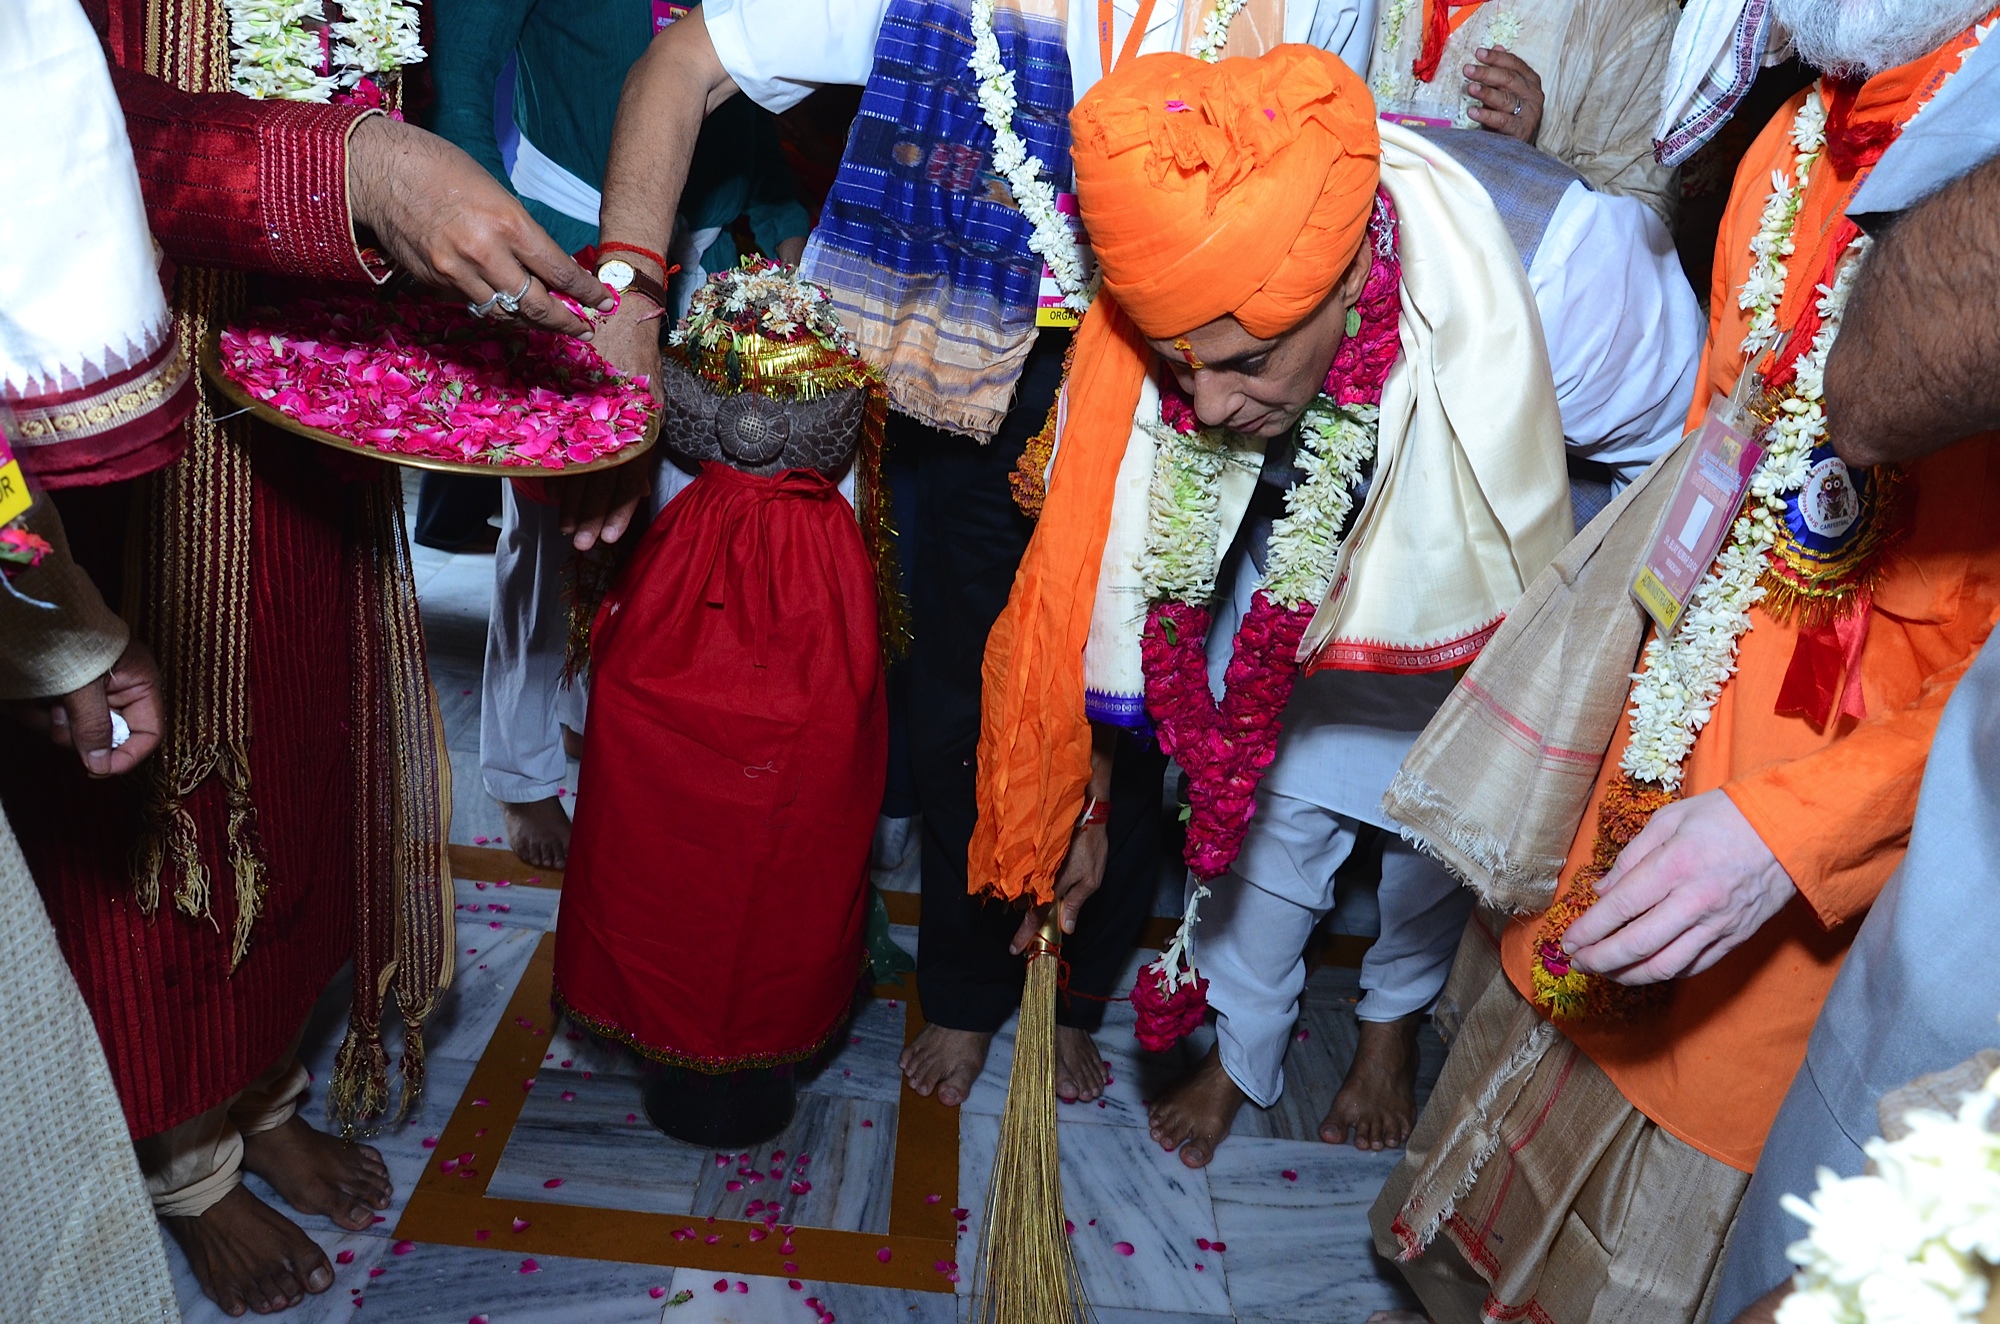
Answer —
1273 1230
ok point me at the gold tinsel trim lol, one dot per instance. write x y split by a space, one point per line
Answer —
1030 477
1804 590
1563 991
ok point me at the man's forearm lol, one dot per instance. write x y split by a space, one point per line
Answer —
1917 364
668 93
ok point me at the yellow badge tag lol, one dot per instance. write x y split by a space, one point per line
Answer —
14 497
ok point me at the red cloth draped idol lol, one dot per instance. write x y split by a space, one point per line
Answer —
714 906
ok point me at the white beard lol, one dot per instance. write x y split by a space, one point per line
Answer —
1846 37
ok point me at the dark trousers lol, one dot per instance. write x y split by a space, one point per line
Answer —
964 544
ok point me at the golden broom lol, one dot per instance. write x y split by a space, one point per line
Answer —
1027 1269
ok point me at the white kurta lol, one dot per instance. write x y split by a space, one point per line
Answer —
779 51
1624 339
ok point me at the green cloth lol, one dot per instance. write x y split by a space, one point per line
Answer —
572 57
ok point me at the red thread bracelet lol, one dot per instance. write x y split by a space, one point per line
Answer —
613 246
1096 813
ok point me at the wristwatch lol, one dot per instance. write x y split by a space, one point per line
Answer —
621 276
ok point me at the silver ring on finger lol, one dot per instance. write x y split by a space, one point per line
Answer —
482 309
511 303
1516 111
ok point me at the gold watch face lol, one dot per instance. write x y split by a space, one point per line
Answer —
618 275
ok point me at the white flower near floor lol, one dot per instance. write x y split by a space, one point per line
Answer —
1914 1242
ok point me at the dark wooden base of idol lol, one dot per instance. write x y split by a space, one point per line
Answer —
736 1111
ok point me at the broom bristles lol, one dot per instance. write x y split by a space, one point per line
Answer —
1027 1268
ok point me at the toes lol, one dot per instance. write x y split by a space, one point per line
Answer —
1195 1155
319 1278
950 1095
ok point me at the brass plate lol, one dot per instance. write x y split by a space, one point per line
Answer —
210 358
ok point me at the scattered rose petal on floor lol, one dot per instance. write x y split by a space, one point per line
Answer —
448 1165
569 1096
377 1271
481 1234
477 1319
521 1225
742 1286
867 1121
1304 1034
711 1239
482 1103
479 841
933 1199
402 1248
722 1284
790 1267
732 1185
882 1255
565 1063
656 1292
1200 1267
493 924
1122 1247
480 1132
345 1257
631 1117
529 1266
1289 1174
1219 1247
1203 1242
1069 1227
758 1234
552 1183
430 1142
795 1284
961 1214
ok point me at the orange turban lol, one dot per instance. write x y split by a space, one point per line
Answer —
1239 187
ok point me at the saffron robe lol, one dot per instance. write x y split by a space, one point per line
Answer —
1833 803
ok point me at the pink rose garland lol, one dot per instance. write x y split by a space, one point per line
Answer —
1226 747
422 378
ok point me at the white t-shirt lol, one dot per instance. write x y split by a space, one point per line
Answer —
779 51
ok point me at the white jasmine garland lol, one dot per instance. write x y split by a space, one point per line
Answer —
375 36
1027 179
1772 245
1052 240
1915 1240
1183 528
278 52
1684 672
1214 35
1174 966
1387 83
1335 441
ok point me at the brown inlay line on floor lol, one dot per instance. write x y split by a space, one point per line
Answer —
453 1208
484 864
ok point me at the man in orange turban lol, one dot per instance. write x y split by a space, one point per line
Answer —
1313 407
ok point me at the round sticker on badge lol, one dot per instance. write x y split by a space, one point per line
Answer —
1830 503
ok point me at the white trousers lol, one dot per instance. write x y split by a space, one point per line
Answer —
1250 943
523 703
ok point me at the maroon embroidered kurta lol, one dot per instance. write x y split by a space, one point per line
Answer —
262 187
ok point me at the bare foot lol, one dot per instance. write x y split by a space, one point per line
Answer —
320 1174
1398 1317
945 1061
1194 1114
1377 1102
538 831
248 1256
1080 1072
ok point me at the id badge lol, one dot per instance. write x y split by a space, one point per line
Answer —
1050 308
14 496
1698 519
666 14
